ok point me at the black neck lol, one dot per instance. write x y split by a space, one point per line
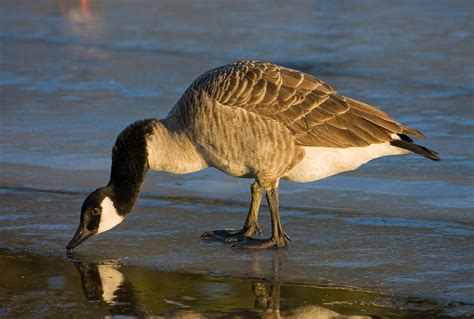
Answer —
130 163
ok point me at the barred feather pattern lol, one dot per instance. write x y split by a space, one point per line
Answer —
256 119
235 141
312 111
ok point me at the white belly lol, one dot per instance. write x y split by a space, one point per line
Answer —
321 162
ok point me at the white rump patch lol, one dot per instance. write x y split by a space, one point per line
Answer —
109 218
321 162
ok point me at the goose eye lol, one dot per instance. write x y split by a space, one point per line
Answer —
95 211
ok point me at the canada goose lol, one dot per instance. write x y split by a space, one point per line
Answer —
254 120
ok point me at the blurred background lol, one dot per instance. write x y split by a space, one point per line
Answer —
74 73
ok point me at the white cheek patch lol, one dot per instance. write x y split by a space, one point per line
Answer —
109 218
111 279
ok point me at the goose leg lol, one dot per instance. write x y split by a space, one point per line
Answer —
279 237
251 226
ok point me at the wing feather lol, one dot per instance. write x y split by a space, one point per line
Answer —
312 110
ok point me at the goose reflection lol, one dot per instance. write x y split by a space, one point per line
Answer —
267 301
106 283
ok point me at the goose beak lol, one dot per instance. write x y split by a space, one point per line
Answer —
82 233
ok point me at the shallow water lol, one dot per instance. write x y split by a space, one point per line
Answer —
55 287
73 76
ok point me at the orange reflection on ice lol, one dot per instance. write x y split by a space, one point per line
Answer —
66 6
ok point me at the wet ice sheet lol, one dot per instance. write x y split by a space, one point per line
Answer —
55 287
403 256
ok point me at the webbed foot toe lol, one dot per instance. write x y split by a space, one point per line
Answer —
231 235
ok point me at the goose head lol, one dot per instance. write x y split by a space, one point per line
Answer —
101 211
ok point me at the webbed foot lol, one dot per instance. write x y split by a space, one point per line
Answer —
232 235
255 243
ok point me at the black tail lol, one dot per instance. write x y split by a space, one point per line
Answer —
407 144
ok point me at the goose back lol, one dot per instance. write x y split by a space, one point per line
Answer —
313 111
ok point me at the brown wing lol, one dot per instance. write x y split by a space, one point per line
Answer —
308 107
